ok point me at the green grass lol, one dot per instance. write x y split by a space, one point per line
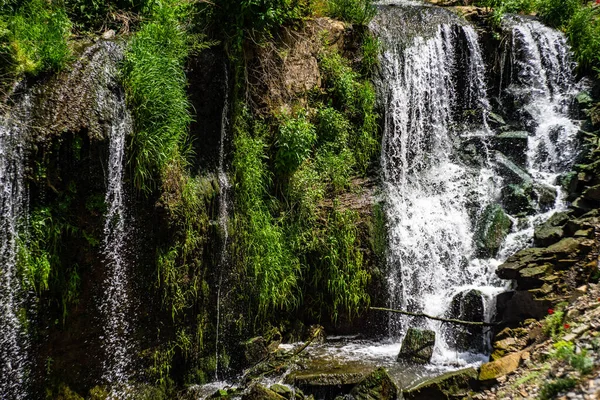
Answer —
156 91
354 11
33 37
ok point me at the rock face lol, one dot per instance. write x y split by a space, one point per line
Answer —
377 386
417 346
514 145
492 227
467 306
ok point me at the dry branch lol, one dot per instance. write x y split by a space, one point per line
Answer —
449 320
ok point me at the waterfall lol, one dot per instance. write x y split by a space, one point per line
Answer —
544 84
13 201
437 193
224 187
115 304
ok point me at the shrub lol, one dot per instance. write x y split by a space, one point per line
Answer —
553 388
557 13
295 141
353 11
583 31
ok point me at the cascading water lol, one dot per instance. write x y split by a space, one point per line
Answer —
223 213
432 87
13 201
115 304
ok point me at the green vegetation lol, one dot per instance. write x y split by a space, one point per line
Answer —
156 82
553 388
354 11
33 37
578 360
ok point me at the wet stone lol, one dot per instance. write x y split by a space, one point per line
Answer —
417 346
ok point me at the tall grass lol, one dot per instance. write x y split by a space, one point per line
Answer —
156 90
354 11
33 37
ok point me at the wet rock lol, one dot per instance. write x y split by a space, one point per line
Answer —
550 231
592 193
259 392
456 384
492 228
287 392
502 367
255 350
328 379
417 346
377 386
581 205
496 119
570 184
516 306
517 199
514 145
467 306
545 195
584 100
511 171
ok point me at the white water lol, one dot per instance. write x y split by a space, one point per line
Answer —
224 187
431 194
13 206
115 305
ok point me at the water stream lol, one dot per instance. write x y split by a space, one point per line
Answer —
13 207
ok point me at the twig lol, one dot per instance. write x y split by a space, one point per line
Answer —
450 320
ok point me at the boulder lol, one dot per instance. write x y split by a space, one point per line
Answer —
511 172
592 193
259 392
501 367
545 195
287 392
417 346
517 199
451 385
584 99
550 231
493 226
516 306
255 350
514 145
467 306
376 386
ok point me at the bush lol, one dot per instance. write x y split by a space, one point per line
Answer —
295 141
353 11
557 13
583 31
33 37
553 388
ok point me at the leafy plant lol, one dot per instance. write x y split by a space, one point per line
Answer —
354 11
295 140
553 388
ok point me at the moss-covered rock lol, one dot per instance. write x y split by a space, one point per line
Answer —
417 346
503 366
493 226
511 171
377 386
451 385
259 392
513 144
517 199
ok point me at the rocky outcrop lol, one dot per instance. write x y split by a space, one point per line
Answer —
377 386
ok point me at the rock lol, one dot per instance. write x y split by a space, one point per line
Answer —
514 145
546 235
255 350
377 386
109 35
503 366
417 346
516 306
492 228
584 100
467 306
328 378
496 119
581 205
517 199
259 392
592 193
569 182
511 171
455 384
287 392
545 195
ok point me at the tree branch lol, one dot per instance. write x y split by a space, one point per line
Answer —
450 320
